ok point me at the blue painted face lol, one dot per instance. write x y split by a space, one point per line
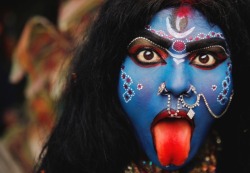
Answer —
175 81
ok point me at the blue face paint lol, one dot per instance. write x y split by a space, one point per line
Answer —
174 82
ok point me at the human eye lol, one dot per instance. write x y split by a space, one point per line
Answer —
208 58
146 55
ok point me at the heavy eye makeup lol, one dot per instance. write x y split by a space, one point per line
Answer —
208 58
146 53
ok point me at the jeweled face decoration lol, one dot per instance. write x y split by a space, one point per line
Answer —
175 81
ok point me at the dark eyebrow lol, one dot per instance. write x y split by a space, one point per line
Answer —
155 38
192 46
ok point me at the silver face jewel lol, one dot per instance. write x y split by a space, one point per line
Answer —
163 91
191 89
191 113
210 110
169 105
190 106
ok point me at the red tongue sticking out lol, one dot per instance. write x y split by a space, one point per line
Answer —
172 141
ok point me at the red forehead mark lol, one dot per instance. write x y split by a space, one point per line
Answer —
179 46
183 11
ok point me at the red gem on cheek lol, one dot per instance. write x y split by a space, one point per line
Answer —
220 97
224 92
125 87
128 80
179 46
130 92
224 84
126 97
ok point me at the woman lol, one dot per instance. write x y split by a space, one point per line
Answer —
146 85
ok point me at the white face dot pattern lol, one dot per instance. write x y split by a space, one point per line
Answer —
222 97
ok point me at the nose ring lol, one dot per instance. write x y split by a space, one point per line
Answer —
162 89
191 89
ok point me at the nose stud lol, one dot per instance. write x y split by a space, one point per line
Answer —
191 89
162 89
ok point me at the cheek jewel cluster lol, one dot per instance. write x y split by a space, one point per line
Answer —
127 81
164 92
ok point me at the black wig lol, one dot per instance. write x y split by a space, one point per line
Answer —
92 134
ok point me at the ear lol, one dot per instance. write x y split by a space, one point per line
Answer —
39 54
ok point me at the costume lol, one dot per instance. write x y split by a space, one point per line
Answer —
143 93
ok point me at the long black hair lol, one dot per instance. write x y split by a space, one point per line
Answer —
92 133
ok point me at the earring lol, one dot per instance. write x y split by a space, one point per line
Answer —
162 89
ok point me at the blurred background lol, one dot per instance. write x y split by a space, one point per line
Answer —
37 39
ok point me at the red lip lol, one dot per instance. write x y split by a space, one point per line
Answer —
164 114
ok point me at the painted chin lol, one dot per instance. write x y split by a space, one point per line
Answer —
172 137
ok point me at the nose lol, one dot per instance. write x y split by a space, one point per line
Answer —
177 81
